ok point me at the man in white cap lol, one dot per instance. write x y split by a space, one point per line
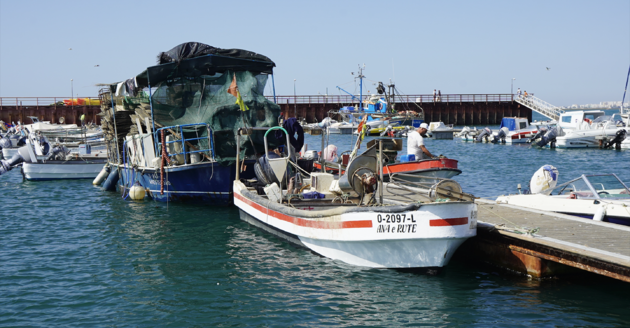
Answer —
415 143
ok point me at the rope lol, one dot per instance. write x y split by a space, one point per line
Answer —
516 228
163 159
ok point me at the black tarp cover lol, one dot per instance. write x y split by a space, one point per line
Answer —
189 50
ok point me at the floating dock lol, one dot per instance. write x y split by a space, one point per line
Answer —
544 244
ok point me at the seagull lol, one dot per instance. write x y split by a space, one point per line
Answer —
96 65
548 68
70 49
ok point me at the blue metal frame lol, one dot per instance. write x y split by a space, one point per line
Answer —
210 137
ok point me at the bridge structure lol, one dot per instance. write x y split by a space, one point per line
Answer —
456 109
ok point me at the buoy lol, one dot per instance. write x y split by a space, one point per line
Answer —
137 192
110 183
600 213
101 176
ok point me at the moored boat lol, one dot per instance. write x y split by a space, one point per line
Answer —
171 127
41 160
601 197
359 219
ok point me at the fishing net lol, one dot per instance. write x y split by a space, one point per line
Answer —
194 90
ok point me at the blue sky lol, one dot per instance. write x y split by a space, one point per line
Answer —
454 46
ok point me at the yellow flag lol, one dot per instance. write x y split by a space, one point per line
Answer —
233 90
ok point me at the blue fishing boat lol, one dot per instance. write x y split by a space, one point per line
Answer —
171 129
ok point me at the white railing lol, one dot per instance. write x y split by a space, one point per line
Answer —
540 106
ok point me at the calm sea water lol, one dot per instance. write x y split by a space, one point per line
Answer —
73 255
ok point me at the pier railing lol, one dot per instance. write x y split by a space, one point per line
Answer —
301 99
417 98
540 106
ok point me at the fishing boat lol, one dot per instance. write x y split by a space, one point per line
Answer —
379 108
601 197
171 128
405 167
358 218
41 160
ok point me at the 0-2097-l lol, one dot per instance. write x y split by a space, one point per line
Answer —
395 218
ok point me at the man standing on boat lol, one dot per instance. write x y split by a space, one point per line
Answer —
415 143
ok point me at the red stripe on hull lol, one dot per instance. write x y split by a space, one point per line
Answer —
448 222
305 222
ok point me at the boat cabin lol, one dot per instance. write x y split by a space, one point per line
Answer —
574 119
514 123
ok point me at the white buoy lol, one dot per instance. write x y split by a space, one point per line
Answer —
137 192
101 176
600 213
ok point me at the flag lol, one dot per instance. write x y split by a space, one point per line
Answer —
233 90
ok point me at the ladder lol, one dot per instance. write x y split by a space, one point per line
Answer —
540 106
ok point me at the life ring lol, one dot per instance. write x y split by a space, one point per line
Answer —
61 120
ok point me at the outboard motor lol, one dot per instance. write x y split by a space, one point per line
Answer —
21 156
620 136
549 137
544 179
58 153
485 133
326 122
387 130
464 131
541 132
5 143
501 135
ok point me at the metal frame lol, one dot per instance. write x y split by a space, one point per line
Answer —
183 140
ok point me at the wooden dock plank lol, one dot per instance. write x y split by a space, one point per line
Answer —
603 236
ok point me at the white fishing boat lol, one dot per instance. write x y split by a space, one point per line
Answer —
601 197
358 219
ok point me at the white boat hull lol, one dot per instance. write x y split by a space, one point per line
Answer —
422 238
583 139
616 210
61 170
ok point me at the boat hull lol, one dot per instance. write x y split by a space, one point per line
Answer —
425 171
616 211
425 237
62 170
584 138
210 183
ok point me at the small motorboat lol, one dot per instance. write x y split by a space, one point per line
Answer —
42 160
439 130
358 218
512 130
586 132
601 197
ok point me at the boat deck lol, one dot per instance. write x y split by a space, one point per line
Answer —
536 237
